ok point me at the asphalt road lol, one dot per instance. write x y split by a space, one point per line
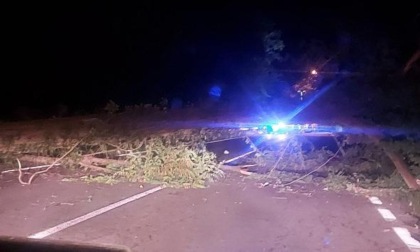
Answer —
234 214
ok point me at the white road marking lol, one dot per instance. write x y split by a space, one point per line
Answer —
402 233
405 236
386 214
375 200
90 215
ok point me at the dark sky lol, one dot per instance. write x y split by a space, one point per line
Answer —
83 54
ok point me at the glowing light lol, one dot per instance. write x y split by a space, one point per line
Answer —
308 102
278 126
314 72
215 91
281 137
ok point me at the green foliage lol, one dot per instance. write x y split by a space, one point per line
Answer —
410 150
168 161
265 75
177 158
285 156
336 181
179 164
98 179
273 46
364 163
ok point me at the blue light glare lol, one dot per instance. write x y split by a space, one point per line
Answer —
279 126
278 137
281 137
299 109
215 91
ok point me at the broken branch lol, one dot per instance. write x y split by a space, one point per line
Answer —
49 167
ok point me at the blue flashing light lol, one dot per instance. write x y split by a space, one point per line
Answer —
279 126
281 137
215 91
278 137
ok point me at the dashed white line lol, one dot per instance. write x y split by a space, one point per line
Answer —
386 214
405 236
375 200
402 233
90 215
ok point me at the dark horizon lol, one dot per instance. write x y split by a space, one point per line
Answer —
84 55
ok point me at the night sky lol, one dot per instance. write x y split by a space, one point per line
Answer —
83 54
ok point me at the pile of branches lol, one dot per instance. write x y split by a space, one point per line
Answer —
175 159
180 158
357 160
